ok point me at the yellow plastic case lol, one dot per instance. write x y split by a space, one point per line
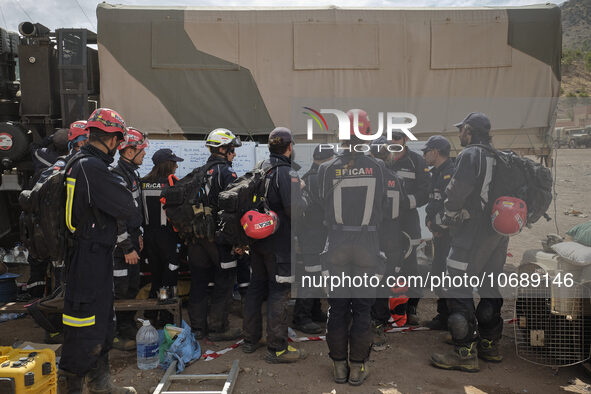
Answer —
27 371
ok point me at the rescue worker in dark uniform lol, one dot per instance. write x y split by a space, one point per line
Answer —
77 136
271 256
352 188
126 269
161 242
436 152
475 249
96 199
307 312
411 168
211 260
44 156
391 248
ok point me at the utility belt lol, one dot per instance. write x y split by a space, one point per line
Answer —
342 227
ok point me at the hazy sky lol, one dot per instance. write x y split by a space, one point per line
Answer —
82 13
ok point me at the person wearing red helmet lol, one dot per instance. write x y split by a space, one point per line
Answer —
476 248
126 271
77 135
95 200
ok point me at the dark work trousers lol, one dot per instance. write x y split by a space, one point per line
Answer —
410 224
487 255
38 272
380 311
243 274
352 339
308 307
349 328
126 278
209 260
161 253
263 284
441 247
89 318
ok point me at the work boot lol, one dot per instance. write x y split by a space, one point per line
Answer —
248 347
412 319
489 351
289 355
229 335
358 373
437 323
68 382
308 328
379 338
463 358
123 344
98 379
341 371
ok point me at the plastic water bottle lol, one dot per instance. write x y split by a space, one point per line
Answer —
147 346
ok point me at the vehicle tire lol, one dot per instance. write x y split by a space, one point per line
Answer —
572 144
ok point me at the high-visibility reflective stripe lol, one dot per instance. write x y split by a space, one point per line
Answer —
487 179
210 284
229 264
119 273
78 322
35 284
415 242
70 186
135 193
313 268
243 284
412 201
284 279
406 174
122 237
172 267
458 265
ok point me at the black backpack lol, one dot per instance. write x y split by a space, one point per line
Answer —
188 208
520 177
43 220
249 192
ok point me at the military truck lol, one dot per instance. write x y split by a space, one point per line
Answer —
47 80
178 72
579 138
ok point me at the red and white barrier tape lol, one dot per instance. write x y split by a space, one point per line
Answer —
211 355
307 339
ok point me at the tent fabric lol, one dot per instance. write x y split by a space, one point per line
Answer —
259 67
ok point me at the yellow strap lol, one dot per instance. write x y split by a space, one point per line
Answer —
70 186
77 321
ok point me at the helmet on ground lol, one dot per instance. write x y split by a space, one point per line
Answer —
222 137
77 129
397 305
509 215
259 225
135 139
107 120
362 121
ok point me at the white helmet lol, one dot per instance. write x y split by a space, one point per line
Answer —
222 137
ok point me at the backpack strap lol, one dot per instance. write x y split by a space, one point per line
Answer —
268 179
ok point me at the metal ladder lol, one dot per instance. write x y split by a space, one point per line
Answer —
169 377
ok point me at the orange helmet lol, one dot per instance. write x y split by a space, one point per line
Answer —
107 120
362 121
259 225
509 215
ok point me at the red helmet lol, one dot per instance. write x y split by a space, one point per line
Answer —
258 225
107 120
509 215
77 129
135 139
362 121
